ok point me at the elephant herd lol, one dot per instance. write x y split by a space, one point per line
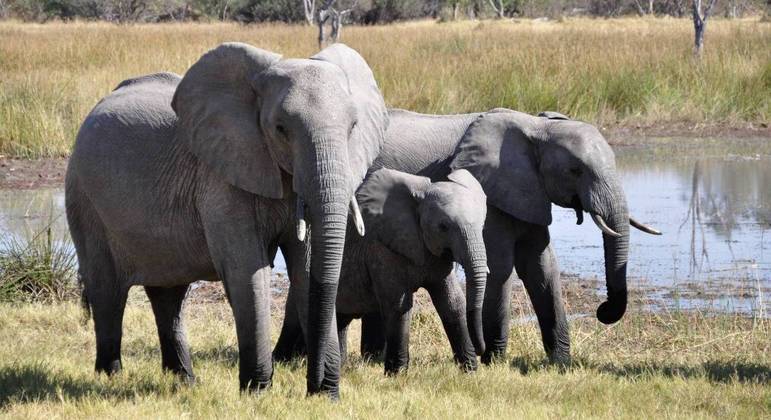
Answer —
204 177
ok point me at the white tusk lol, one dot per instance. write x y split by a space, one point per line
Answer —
603 227
487 270
642 227
302 227
357 219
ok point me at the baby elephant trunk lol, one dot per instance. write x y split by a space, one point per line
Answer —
475 265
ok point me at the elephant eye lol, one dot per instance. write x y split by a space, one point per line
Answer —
575 171
280 128
352 127
443 227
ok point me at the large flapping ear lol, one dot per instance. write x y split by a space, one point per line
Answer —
218 117
498 150
389 205
372 116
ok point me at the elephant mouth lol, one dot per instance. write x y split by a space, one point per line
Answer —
575 204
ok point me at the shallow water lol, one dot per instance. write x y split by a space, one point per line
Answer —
710 197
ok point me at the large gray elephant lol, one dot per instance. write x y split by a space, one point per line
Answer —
415 230
174 180
524 164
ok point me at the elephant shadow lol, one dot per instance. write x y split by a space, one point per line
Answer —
37 382
714 371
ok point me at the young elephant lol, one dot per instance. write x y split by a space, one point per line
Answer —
415 230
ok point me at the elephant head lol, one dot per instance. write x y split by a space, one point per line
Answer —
526 163
271 126
413 217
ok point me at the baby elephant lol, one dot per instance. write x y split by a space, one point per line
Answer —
415 230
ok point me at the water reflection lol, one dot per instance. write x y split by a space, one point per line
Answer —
710 197
712 201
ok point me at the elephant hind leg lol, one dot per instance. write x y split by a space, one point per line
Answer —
372 336
167 304
343 320
106 297
104 293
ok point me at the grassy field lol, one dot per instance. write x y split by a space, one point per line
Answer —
666 365
619 72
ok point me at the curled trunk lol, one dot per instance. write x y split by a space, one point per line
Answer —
613 209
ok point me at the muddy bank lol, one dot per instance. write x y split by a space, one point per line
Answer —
31 174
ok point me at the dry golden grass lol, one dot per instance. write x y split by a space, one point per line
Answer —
610 72
647 366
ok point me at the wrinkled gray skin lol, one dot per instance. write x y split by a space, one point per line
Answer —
524 164
174 180
415 230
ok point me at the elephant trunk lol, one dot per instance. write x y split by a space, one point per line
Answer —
608 207
329 197
475 266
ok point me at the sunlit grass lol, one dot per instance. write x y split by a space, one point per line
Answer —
610 72
669 365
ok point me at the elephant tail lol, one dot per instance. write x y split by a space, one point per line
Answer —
85 305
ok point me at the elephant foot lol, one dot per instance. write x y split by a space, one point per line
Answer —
187 380
560 358
332 391
467 366
109 368
255 387
491 356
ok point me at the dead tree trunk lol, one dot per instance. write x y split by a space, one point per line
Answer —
309 7
327 13
497 5
700 24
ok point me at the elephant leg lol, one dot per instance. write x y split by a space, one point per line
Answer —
291 342
372 336
343 320
496 310
450 303
167 303
538 269
106 296
397 334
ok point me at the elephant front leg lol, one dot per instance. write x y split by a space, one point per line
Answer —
496 310
449 301
167 307
397 333
249 296
537 266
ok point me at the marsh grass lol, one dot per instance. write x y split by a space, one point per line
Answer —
612 72
649 365
42 268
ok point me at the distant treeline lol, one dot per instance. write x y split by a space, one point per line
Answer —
362 11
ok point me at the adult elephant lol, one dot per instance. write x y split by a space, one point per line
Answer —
524 164
174 180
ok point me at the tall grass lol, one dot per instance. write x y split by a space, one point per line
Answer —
611 72
40 269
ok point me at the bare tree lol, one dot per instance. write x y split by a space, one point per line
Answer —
700 24
309 7
642 11
499 8
328 13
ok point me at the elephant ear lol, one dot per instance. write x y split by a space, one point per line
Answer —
498 150
389 205
553 115
372 116
217 111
